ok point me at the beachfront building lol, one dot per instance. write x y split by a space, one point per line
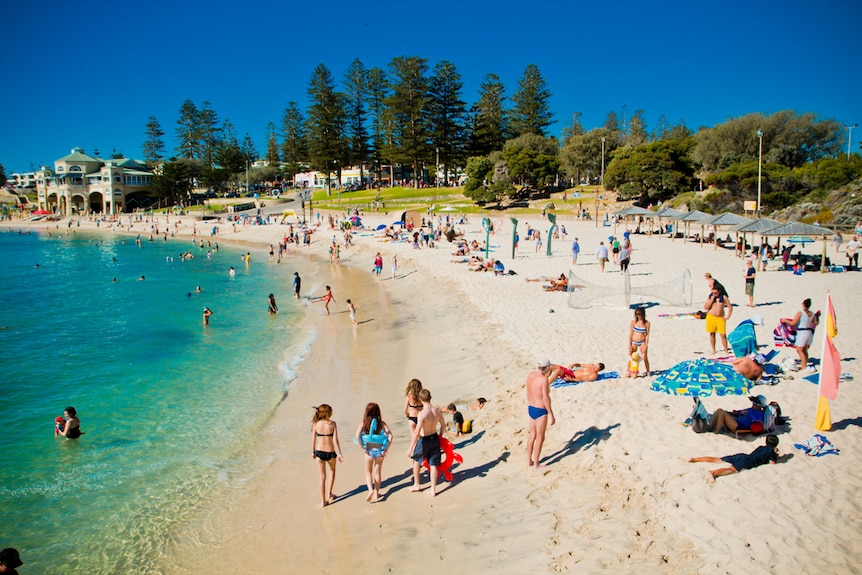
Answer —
80 184
22 180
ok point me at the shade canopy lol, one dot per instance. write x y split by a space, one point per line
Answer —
633 211
797 229
695 216
758 225
727 219
670 213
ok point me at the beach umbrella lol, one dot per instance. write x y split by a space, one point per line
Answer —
701 378
397 223
355 220
41 213
381 227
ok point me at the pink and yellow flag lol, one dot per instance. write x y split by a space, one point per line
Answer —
831 324
830 370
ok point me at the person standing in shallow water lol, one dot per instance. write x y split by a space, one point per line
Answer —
273 308
71 429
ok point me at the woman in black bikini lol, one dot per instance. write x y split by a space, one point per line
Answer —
412 403
72 428
324 444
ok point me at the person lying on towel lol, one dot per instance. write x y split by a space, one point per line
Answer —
584 372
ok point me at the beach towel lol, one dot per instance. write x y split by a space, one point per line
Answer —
689 315
560 382
784 335
816 446
742 339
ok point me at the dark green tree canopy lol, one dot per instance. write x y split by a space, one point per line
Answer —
652 172
490 122
531 113
531 159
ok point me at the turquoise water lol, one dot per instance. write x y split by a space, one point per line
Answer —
169 407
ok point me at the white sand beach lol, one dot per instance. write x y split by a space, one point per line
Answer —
617 493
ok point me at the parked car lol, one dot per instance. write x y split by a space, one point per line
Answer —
231 195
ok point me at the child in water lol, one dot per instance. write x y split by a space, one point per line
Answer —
351 309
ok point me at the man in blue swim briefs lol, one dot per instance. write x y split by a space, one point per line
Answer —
539 409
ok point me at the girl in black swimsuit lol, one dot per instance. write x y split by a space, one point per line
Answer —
324 444
412 404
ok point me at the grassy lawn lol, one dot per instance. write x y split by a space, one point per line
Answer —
401 198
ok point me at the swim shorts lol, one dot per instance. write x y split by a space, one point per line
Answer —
431 449
715 324
749 289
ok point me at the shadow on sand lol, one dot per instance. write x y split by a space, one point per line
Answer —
586 439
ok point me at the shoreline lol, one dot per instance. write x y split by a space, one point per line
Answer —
618 492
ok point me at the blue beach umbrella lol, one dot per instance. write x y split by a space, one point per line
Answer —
701 378
381 227
800 240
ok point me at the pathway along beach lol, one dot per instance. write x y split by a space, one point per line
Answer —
617 493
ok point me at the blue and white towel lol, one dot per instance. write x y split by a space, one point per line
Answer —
560 382
816 446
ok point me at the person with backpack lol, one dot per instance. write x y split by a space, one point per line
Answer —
764 454
751 419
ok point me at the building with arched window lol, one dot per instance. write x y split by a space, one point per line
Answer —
81 184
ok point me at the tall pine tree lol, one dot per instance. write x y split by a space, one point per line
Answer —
154 145
408 109
447 115
356 93
294 143
532 111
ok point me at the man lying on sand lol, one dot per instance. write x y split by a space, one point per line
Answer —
750 366
585 372
761 456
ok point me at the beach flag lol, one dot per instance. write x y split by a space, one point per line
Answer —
830 370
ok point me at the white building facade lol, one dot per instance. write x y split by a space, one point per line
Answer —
81 184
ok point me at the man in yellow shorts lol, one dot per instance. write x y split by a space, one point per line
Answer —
716 321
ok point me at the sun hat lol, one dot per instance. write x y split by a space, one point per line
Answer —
9 557
759 400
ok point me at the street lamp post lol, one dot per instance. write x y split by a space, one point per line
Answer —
601 181
759 170
849 136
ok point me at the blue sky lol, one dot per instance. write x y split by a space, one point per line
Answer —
91 74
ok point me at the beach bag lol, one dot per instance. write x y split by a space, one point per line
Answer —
467 426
